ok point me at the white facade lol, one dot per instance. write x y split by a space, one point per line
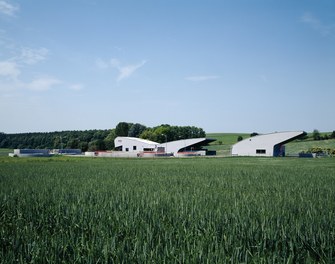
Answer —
131 144
141 146
175 146
265 145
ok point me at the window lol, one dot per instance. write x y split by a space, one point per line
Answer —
134 147
127 149
260 151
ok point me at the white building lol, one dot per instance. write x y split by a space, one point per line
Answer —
271 145
131 144
176 148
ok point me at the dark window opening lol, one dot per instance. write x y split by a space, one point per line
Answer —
134 147
260 151
148 149
127 149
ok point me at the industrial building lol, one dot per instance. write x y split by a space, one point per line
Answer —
143 147
30 153
43 152
270 145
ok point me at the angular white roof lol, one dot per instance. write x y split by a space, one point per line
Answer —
175 146
172 146
139 140
119 141
267 141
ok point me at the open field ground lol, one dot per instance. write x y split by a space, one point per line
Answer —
4 152
197 210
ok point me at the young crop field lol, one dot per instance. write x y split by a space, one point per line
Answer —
196 210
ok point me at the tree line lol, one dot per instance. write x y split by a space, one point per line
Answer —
97 139
317 135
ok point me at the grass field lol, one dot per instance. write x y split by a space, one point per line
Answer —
4 152
197 210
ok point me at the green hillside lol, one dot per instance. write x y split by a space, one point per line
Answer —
4 151
226 138
304 145
224 142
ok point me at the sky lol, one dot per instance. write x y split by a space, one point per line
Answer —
222 65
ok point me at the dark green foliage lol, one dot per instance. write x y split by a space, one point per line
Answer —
170 133
316 134
136 130
122 129
53 140
322 136
254 134
241 210
239 138
97 144
109 140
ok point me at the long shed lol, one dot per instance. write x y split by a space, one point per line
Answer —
271 145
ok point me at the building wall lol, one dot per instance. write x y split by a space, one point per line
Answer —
136 145
253 148
264 145
175 146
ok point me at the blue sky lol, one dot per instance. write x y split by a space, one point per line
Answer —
223 65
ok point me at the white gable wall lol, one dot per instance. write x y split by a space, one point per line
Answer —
262 145
130 144
175 146
134 144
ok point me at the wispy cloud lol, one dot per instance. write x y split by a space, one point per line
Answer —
7 8
9 69
76 87
43 83
128 70
33 56
200 78
318 25
124 71
14 68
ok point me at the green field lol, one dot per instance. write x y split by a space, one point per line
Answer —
300 146
4 152
196 210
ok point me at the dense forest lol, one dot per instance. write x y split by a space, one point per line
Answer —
97 139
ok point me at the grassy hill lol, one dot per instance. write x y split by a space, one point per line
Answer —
4 152
304 145
226 138
225 141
